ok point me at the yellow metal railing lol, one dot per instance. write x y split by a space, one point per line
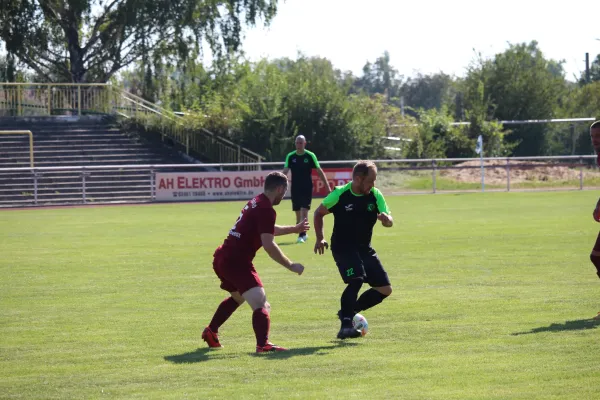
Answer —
40 99
30 142
34 99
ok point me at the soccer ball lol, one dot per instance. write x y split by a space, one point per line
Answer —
359 322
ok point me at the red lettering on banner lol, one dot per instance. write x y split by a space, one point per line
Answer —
332 179
165 183
253 182
226 182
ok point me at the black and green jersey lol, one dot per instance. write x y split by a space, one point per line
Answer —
354 216
301 167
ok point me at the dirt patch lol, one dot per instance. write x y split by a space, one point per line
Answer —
520 171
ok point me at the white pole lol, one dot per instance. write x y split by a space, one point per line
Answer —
482 171
479 150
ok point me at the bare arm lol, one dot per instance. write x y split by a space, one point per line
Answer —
285 171
320 244
287 229
277 255
324 179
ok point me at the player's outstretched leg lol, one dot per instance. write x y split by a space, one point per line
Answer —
261 320
348 303
370 298
227 307
595 259
211 338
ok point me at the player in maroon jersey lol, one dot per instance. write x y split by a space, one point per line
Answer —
255 227
595 256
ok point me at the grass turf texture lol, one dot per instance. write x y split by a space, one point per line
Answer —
493 295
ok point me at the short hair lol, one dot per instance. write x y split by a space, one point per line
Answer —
595 125
300 137
274 180
362 168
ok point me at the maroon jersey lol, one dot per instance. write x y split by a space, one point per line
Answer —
242 243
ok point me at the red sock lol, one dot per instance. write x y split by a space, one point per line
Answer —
261 322
224 311
594 257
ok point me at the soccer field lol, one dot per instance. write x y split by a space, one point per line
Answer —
493 299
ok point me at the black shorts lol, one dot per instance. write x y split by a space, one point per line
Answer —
301 200
361 263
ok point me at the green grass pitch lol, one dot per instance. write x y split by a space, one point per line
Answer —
493 299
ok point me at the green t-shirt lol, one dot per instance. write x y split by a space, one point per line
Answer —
301 167
354 216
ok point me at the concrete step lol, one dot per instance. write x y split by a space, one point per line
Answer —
62 174
43 189
21 202
69 154
24 185
45 132
92 146
72 179
84 161
74 198
78 154
65 143
70 191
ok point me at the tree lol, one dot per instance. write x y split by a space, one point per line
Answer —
380 77
90 40
10 71
524 85
594 72
479 110
580 102
428 91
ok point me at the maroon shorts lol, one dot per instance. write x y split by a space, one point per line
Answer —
236 276
597 244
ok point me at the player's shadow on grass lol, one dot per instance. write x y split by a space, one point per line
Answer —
576 325
206 354
198 355
305 351
286 243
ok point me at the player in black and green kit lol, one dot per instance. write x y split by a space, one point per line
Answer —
301 162
356 207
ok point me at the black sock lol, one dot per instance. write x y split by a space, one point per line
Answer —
348 301
368 299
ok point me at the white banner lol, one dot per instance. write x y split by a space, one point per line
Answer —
236 185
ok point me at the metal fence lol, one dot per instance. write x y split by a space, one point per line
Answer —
47 99
137 183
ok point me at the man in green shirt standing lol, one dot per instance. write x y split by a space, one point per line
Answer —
356 207
301 162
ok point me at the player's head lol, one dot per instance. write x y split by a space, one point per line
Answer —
364 175
595 134
300 142
276 185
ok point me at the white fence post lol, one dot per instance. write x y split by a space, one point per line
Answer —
507 174
35 187
433 175
580 173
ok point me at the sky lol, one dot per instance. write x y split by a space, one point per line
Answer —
425 36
